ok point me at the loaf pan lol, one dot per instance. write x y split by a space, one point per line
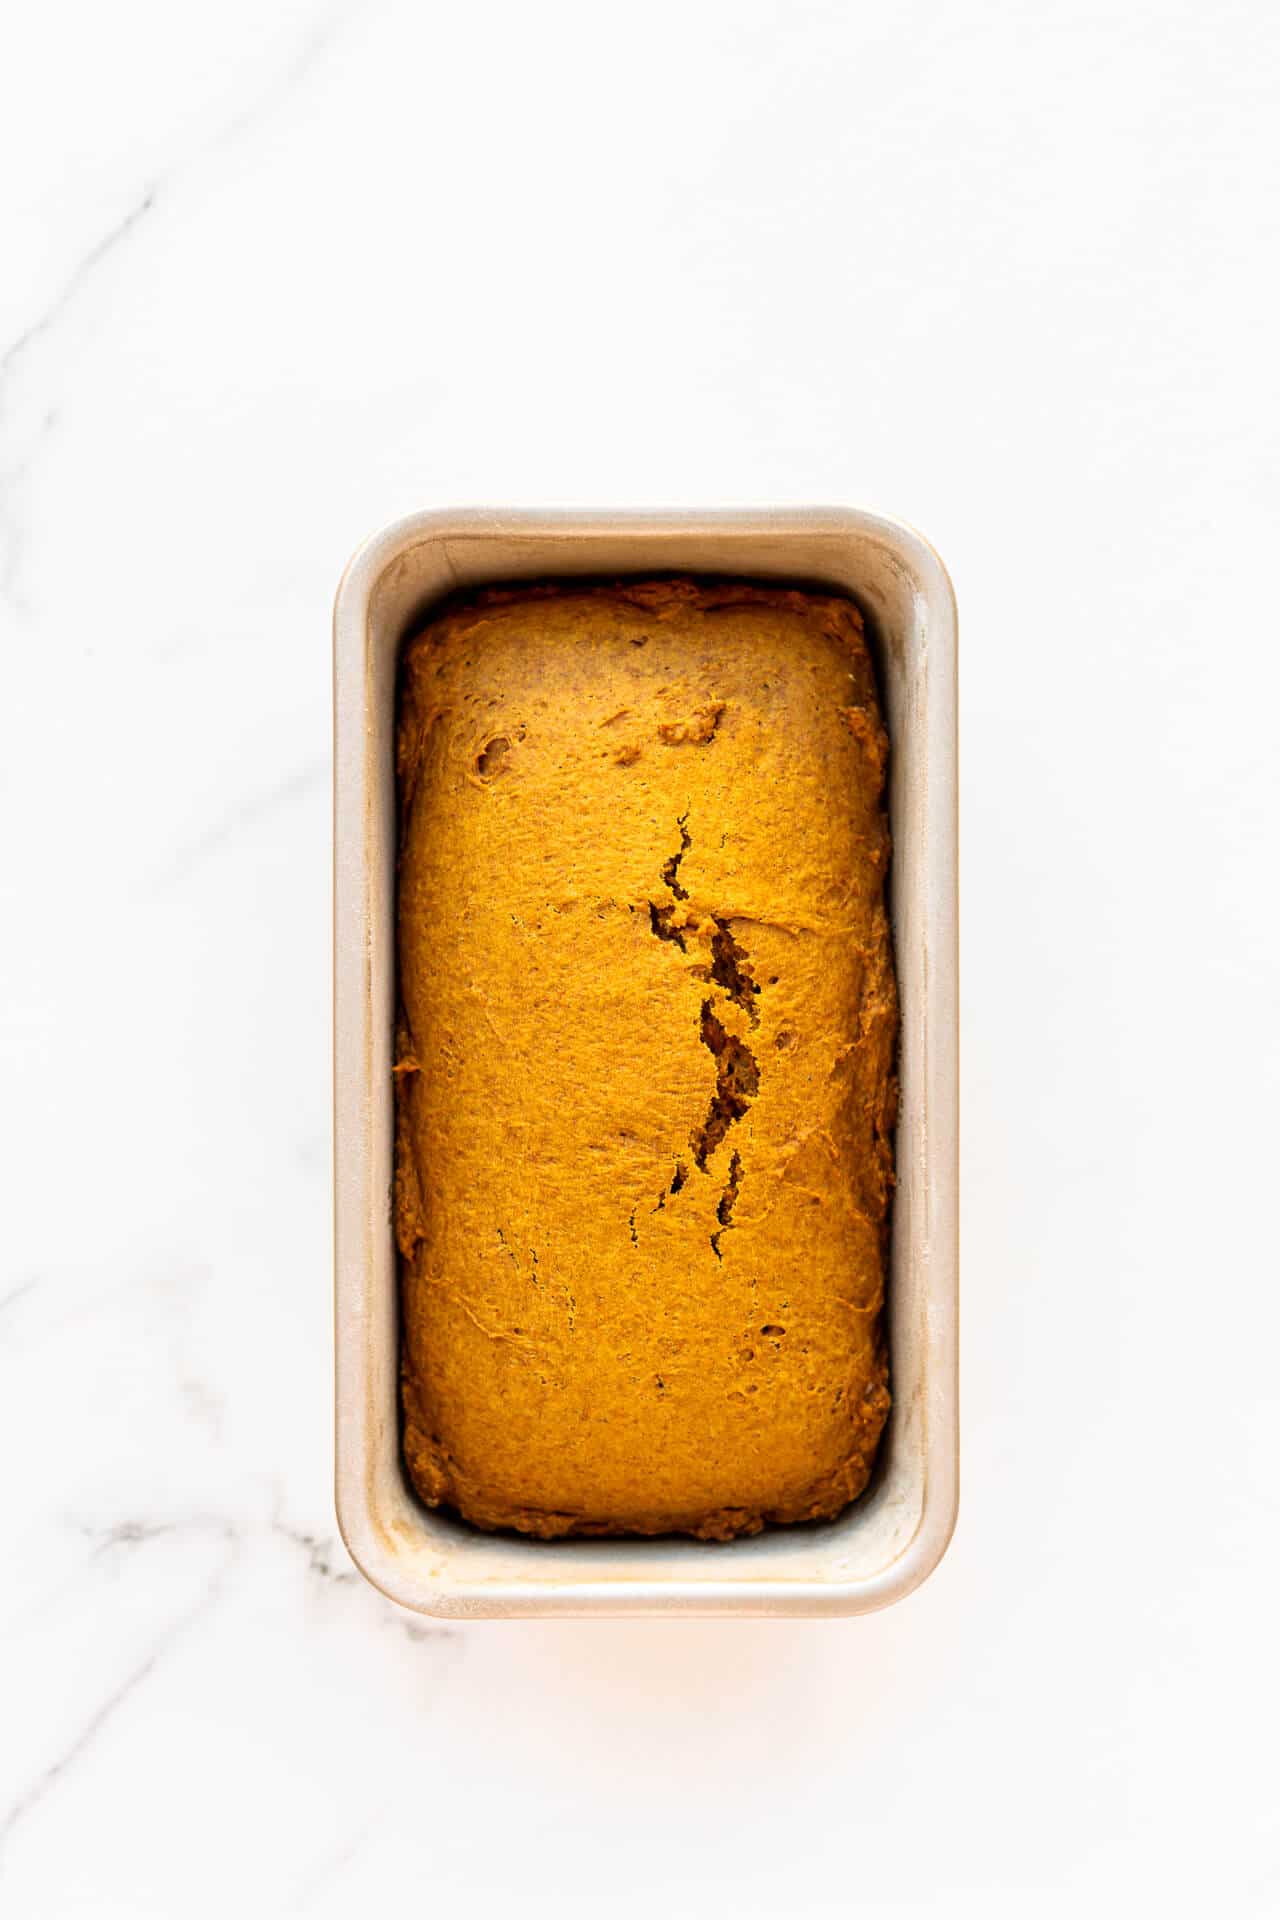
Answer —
888 1541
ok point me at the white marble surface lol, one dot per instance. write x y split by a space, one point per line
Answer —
273 275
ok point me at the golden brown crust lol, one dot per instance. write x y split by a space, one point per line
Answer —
644 1069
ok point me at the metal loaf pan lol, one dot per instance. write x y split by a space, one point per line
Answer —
890 1539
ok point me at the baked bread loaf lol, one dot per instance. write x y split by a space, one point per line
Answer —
644 1068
